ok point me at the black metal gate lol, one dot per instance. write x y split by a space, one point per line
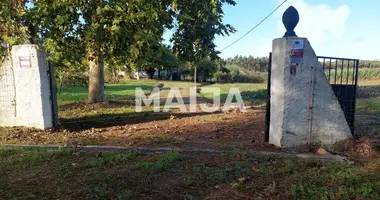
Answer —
53 94
342 74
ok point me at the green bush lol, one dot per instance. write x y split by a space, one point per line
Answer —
75 80
248 78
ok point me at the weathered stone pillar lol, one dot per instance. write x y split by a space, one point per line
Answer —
33 105
304 108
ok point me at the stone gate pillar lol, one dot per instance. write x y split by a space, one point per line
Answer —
304 109
33 102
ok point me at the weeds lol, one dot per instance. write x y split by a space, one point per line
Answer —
110 158
162 163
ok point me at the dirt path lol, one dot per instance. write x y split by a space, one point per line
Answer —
220 131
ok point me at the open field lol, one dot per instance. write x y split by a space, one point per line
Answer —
63 174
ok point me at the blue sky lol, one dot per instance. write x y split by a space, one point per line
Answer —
338 28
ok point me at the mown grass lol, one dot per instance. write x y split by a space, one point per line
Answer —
113 92
124 91
368 97
369 105
251 93
65 174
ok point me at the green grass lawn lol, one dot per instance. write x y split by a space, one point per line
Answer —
64 174
368 94
368 97
112 91
124 91
252 93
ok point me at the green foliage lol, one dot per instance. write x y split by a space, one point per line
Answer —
206 69
369 64
162 163
250 63
117 33
240 74
198 22
13 29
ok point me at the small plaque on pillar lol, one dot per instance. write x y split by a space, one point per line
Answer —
24 61
297 44
293 68
297 53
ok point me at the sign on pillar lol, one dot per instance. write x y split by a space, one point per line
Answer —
296 56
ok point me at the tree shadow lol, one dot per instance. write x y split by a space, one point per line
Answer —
370 91
121 119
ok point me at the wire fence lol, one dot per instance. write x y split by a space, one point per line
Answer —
7 90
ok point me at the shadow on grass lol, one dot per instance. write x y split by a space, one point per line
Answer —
120 119
371 91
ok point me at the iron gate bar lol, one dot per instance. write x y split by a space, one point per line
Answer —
348 70
267 115
341 72
336 69
329 70
52 95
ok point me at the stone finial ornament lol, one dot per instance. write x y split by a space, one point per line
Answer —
290 20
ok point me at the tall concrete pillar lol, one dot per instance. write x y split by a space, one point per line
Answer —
32 103
304 108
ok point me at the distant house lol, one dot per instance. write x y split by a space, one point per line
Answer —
173 75
139 75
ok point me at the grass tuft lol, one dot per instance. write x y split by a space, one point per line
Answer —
162 163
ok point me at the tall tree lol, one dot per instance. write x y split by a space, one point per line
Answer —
118 31
12 29
198 22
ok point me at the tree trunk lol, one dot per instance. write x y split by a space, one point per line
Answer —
158 74
114 73
150 72
96 76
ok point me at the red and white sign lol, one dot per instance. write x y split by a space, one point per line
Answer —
297 53
24 61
